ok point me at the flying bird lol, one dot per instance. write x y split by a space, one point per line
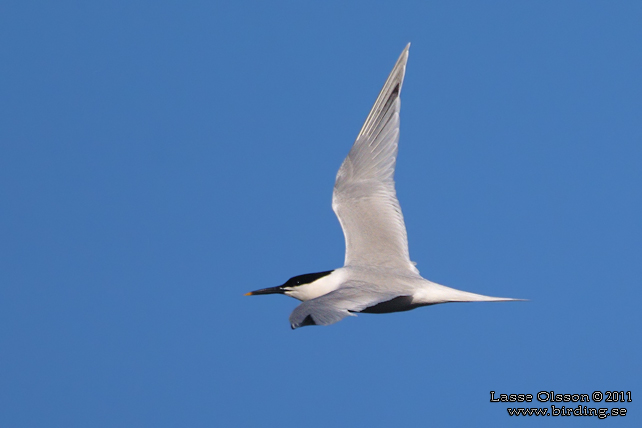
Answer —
377 276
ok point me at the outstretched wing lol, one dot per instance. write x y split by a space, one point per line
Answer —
364 197
353 296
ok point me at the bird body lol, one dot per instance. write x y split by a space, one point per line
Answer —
378 276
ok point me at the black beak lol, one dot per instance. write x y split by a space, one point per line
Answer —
273 290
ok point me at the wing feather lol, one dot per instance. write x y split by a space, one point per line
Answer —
364 197
353 296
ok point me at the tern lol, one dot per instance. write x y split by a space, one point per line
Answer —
377 276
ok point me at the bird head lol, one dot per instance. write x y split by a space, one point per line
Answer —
299 287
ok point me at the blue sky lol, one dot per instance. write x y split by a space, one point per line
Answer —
160 159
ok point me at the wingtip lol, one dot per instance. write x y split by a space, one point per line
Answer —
404 54
402 62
